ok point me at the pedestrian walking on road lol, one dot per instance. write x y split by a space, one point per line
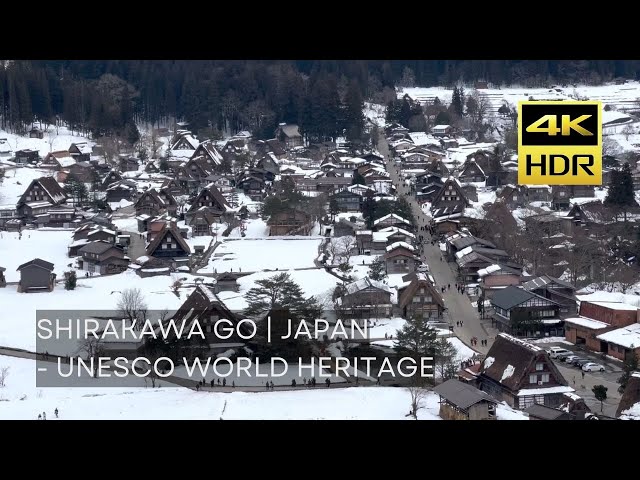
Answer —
39 416
56 412
582 374
448 286
44 415
224 382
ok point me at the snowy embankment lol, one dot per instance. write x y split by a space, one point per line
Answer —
21 399
18 315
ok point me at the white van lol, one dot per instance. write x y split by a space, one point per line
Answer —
555 351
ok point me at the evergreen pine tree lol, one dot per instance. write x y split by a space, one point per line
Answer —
600 392
70 280
369 207
354 117
456 102
334 208
377 270
620 194
358 179
416 337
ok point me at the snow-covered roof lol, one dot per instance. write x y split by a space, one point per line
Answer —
486 271
392 216
392 230
363 283
80 242
544 391
628 337
464 251
84 147
440 127
614 305
395 245
587 323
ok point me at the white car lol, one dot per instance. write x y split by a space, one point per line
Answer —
592 367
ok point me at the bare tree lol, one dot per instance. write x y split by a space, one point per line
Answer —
610 147
132 305
91 348
478 106
4 373
626 277
418 394
348 245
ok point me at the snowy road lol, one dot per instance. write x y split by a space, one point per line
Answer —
458 305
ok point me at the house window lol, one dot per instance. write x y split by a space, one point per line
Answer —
545 378
562 194
526 402
539 366
164 246
533 378
515 198
422 290
416 299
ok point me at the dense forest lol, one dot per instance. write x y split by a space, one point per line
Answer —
109 97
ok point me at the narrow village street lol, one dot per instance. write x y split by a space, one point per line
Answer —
459 307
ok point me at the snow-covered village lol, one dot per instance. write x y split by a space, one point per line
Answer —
378 201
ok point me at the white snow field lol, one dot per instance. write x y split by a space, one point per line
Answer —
252 255
18 312
61 139
618 96
315 282
48 245
15 182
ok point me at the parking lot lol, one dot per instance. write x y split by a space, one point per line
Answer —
583 386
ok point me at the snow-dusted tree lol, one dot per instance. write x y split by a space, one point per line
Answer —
417 395
377 270
446 362
627 131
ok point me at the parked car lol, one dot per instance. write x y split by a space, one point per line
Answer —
581 362
424 268
592 367
563 356
555 351
571 358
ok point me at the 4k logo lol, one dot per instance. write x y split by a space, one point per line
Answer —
559 143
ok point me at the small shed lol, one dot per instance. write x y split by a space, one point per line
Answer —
461 401
542 412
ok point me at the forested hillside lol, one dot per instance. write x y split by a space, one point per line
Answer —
323 97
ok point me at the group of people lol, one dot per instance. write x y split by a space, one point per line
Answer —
212 383
474 342
43 415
